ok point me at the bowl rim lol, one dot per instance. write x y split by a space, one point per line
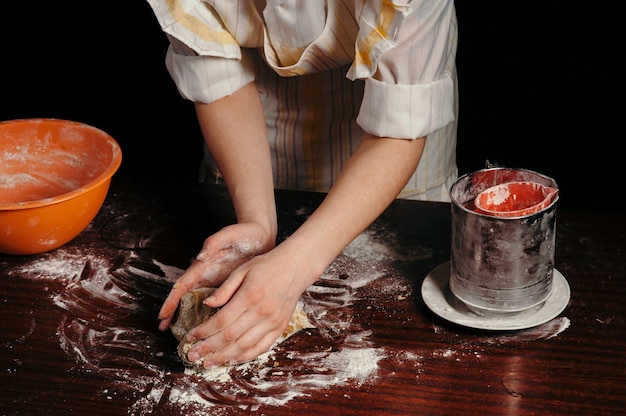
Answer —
552 193
105 176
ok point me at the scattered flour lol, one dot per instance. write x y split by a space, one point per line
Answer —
105 297
62 264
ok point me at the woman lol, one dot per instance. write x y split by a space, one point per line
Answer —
356 98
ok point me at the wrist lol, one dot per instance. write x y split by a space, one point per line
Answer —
309 256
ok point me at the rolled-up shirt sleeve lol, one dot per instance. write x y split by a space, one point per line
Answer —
202 78
406 111
409 86
204 59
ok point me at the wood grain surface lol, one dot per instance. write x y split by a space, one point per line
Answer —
79 330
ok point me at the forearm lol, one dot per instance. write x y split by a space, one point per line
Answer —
370 181
235 133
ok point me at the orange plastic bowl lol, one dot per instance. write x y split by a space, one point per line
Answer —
54 177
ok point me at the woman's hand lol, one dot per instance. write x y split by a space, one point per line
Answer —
222 253
257 301
258 297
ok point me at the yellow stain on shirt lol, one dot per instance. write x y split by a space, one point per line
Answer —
366 45
198 27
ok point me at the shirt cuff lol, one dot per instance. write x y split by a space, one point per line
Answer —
207 78
406 111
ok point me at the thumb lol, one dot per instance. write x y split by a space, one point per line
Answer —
225 292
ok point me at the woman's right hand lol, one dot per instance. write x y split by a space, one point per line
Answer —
222 253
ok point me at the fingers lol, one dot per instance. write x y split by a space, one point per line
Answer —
244 328
237 343
166 314
243 350
197 275
226 290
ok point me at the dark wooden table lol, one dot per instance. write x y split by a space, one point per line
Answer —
79 337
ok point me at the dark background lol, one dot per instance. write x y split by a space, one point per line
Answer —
541 87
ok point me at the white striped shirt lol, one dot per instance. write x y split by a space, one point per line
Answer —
327 71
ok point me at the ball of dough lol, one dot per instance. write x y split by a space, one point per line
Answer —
192 312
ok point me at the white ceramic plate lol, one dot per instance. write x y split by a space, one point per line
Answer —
438 297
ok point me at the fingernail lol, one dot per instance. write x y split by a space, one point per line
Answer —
208 364
193 356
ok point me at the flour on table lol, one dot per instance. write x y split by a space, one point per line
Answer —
104 295
62 264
